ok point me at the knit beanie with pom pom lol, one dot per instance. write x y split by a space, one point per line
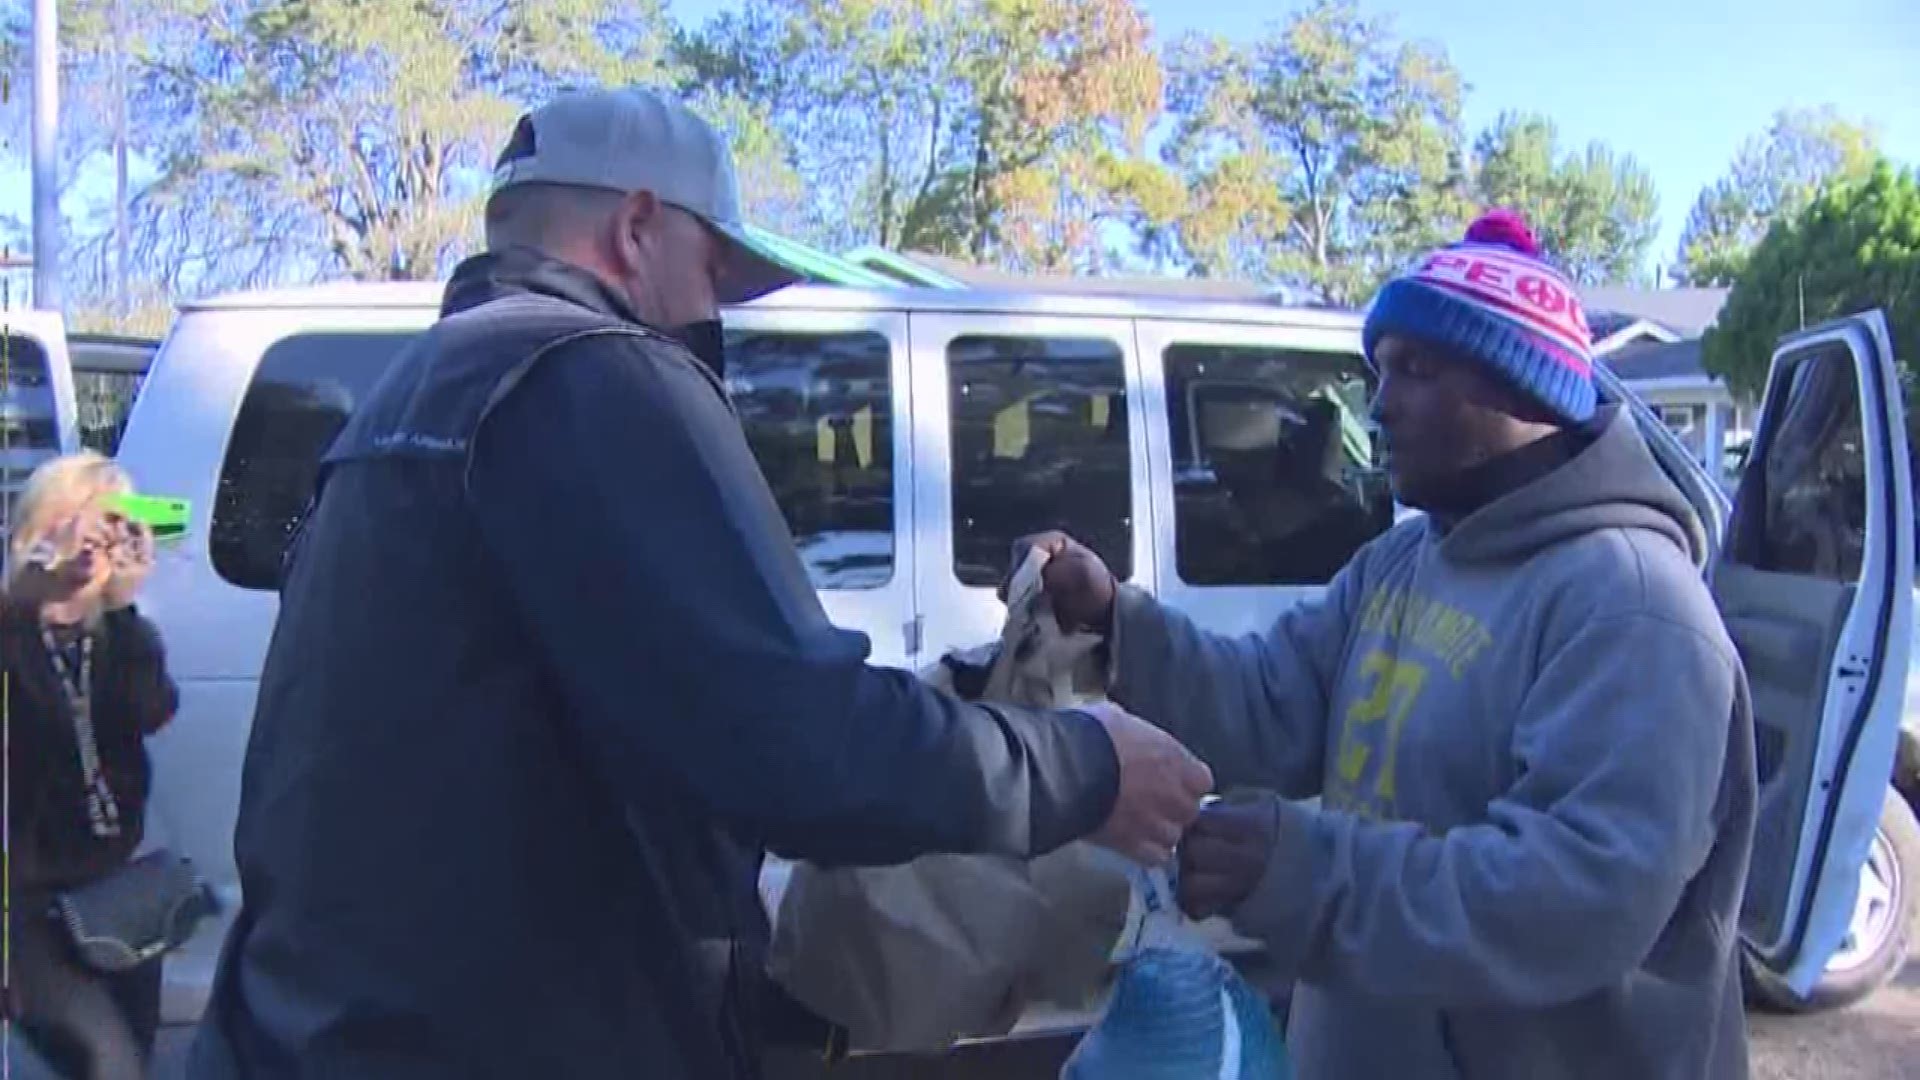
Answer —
1492 299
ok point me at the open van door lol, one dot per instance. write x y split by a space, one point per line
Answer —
37 414
1816 584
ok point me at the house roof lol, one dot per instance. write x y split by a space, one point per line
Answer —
1659 360
1605 324
1688 312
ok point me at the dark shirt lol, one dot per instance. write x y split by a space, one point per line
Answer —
53 844
548 677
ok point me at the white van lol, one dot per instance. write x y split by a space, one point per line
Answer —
1218 455
38 417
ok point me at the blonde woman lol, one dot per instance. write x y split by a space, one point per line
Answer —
86 683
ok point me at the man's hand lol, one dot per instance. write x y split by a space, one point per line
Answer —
1224 854
1161 785
1079 585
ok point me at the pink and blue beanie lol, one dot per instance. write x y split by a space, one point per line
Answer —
1493 299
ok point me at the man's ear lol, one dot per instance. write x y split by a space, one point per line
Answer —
636 213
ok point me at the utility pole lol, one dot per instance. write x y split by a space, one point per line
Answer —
121 240
46 160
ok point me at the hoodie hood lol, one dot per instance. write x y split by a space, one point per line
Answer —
1614 483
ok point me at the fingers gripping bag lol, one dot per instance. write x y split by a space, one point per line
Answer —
918 956
1178 1010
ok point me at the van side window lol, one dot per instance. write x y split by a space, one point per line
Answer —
29 424
1040 441
302 393
1275 479
817 409
103 400
1804 510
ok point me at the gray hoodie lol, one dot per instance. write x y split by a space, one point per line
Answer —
1533 747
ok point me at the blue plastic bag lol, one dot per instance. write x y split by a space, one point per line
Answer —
1178 1011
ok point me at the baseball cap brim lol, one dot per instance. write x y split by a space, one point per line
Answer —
749 268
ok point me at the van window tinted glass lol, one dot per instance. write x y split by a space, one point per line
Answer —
1804 509
29 415
103 401
818 412
302 394
1040 441
1275 479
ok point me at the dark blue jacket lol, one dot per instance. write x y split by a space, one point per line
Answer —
548 677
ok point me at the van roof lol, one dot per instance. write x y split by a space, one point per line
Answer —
426 295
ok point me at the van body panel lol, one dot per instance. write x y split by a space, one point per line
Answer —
985 392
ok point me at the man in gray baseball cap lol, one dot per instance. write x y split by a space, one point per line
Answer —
620 142
549 676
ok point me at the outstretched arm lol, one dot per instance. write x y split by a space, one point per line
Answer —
634 530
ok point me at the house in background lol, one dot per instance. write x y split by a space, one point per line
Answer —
1651 339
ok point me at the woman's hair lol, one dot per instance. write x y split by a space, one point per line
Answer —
57 488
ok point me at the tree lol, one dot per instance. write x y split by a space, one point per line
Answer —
863 94
1595 212
89 47
279 141
300 139
352 136
989 129
1064 93
1855 246
1773 175
1326 154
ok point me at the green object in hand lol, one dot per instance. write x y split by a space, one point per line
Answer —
166 517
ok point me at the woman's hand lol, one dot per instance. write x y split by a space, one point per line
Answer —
130 553
61 566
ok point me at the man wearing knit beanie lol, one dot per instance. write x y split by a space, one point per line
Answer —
1527 728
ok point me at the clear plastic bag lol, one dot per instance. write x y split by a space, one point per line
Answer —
1178 1010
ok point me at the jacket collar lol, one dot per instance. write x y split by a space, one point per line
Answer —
519 271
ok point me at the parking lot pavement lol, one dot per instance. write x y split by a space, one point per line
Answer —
1878 1039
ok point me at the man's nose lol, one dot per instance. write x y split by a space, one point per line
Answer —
1379 408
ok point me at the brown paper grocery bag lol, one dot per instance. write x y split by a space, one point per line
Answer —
919 956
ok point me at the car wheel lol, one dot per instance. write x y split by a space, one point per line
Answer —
1876 945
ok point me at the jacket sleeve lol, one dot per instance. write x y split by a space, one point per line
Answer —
1576 869
145 685
1254 708
660 583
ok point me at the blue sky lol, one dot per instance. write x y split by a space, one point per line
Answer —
1678 83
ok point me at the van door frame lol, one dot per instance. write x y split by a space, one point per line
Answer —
1863 691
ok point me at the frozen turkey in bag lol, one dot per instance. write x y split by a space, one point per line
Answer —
1178 1011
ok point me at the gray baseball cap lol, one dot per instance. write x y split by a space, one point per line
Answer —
639 139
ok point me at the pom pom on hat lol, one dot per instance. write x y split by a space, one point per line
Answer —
1506 228
1493 298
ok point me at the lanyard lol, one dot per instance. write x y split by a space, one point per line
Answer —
76 682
